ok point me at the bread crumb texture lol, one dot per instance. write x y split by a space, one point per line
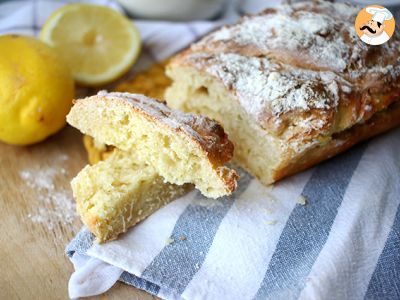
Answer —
182 148
115 194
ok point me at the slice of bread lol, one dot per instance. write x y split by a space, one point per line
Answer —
182 148
151 82
117 193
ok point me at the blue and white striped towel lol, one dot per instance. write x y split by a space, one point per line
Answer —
260 243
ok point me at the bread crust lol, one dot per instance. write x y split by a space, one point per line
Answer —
358 81
379 123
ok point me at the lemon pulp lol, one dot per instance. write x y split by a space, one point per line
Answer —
98 43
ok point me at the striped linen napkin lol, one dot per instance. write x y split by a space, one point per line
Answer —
262 242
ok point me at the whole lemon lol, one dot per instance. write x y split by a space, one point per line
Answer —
36 90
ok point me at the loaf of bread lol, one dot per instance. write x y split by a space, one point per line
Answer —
115 194
292 86
182 148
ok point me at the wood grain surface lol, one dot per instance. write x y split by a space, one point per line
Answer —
33 237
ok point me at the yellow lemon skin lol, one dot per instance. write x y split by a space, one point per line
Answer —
36 90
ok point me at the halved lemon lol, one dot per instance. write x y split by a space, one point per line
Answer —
98 43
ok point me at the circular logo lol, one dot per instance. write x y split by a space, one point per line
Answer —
374 25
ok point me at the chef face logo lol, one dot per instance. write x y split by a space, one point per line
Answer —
372 28
375 25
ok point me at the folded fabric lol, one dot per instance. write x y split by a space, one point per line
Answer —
332 232
265 242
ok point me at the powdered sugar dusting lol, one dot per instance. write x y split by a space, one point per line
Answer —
322 39
290 68
311 123
260 84
55 204
40 180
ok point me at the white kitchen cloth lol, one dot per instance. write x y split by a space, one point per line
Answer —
262 242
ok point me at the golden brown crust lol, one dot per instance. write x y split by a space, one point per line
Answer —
230 179
379 123
332 80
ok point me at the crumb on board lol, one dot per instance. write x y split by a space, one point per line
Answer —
182 238
169 241
302 200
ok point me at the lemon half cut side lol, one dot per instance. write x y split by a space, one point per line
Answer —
98 43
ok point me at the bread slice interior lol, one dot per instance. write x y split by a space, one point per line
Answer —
117 193
174 150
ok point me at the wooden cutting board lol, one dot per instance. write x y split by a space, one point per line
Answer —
36 219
